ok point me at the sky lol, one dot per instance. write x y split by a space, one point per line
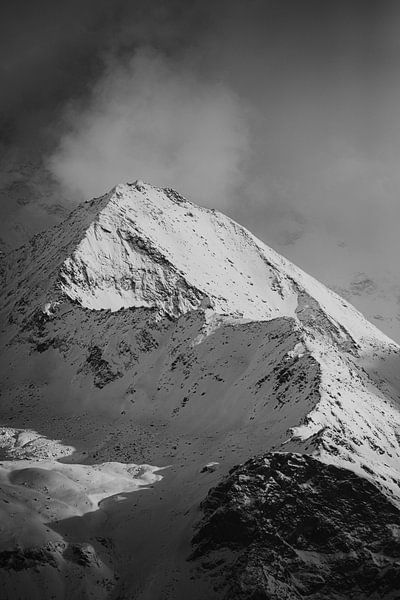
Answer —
281 113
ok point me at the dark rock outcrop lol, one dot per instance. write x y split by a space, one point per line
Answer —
287 526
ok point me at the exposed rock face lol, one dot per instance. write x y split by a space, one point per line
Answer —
286 526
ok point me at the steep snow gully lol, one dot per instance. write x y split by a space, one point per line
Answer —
148 347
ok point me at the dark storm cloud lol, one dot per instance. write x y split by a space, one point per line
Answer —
46 50
52 51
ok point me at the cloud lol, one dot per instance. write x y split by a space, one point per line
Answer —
151 118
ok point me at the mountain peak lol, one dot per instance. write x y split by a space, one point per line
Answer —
150 247
240 353
136 252
144 246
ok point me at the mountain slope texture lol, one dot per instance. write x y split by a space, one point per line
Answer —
149 347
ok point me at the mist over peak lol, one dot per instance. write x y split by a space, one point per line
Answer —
154 116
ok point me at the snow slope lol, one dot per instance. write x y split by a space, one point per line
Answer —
145 329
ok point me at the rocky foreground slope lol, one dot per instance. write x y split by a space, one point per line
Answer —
287 526
148 346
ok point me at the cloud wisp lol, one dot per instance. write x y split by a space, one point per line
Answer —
151 118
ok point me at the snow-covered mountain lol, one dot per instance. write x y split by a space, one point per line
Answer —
146 332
